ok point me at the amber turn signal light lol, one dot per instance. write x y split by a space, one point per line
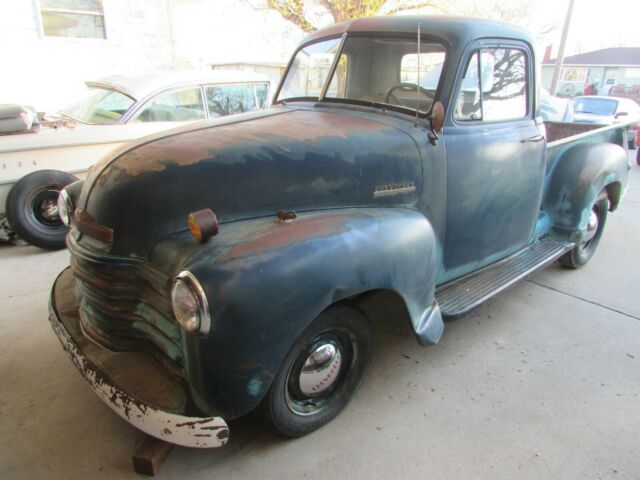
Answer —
203 224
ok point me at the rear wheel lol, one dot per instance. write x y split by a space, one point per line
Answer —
582 253
320 374
32 208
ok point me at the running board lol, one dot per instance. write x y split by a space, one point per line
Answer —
458 297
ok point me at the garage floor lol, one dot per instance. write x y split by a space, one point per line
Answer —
541 382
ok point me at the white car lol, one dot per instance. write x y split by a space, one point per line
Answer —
35 166
605 111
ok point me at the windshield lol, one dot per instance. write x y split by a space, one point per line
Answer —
100 105
373 70
597 106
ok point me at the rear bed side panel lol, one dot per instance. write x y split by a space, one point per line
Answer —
577 174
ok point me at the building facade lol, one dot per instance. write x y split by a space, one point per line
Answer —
51 47
610 71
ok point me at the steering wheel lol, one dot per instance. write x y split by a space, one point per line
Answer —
406 87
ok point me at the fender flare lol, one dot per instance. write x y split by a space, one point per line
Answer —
267 280
579 176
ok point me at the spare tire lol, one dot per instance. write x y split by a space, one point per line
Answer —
32 208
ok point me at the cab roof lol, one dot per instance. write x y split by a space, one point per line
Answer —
457 31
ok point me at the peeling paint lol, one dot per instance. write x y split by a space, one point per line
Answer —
185 431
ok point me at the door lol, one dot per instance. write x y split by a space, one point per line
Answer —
495 160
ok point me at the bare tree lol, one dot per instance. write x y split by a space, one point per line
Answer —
519 12
342 10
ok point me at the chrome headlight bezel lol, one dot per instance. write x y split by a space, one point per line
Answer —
202 322
65 207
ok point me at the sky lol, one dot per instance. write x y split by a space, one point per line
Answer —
594 24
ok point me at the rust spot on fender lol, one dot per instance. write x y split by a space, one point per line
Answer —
279 235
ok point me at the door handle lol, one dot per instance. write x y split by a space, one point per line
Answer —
535 138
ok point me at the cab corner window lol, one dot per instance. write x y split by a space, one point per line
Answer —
495 90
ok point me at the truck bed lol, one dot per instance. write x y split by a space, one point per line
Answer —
559 130
561 136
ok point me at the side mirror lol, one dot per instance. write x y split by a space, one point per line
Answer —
437 117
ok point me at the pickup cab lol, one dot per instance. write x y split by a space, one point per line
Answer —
217 269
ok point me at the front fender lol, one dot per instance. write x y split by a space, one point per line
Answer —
579 176
267 280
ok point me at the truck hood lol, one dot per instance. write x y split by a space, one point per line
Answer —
287 158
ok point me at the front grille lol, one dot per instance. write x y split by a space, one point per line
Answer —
125 306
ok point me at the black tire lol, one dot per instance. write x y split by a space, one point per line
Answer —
638 157
582 253
291 412
30 209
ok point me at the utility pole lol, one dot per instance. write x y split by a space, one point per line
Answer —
563 43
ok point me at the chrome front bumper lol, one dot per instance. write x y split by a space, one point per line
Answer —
198 432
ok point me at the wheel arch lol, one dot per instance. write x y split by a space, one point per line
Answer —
265 296
580 174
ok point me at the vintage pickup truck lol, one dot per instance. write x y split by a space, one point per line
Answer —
217 269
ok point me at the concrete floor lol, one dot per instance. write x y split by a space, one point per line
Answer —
541 382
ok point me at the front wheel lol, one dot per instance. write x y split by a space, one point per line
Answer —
32 208
582 253
320 373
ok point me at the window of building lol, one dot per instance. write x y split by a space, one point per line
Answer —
574 74
632 72
72 18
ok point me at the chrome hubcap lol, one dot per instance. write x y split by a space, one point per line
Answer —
592 226
320 370
49 210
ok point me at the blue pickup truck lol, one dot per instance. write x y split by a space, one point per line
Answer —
218 269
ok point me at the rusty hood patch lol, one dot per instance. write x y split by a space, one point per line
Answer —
291 159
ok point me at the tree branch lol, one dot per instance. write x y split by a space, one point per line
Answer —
292 10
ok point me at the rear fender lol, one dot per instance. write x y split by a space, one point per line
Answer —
580 174
267 280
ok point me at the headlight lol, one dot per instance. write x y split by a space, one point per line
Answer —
65 207
190 304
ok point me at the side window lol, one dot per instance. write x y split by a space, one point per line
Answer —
468 101
504 90
174 106
261 94
496 89
229 99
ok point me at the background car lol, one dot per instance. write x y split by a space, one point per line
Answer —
35 166
552 109
605 111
